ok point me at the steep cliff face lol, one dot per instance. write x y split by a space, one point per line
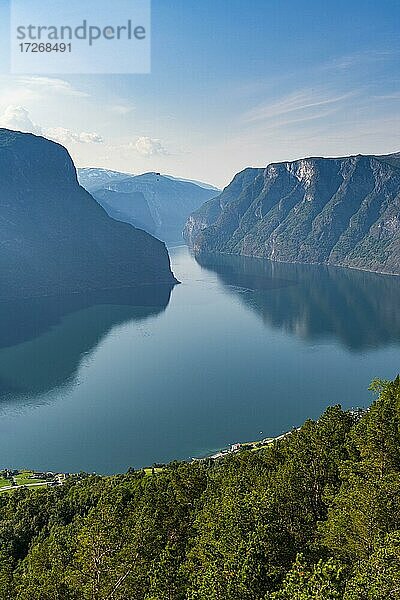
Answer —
55 238
210 211
157 203
343 211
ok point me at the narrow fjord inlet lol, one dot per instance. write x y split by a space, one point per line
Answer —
241 346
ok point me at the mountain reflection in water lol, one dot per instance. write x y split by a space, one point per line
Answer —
43 340
314 302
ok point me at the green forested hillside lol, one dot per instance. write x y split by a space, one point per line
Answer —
315 516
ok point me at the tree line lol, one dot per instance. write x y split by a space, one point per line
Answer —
313 516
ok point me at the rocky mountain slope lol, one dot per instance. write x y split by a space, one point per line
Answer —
156 203
339 211
55 238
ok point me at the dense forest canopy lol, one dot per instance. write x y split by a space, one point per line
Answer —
313 516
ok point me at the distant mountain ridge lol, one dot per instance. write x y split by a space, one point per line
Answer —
159 204
92 178
55 238
339 211
206 186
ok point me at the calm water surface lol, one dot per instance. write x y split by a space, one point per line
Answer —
241 347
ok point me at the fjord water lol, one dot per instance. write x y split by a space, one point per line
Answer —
241 349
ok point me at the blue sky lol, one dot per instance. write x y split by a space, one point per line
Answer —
234 83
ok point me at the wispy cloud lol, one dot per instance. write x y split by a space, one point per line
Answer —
50 85
364 57
35 86
284 122
296 102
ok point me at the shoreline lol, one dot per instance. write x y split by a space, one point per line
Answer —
293 262
51 478
238 446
